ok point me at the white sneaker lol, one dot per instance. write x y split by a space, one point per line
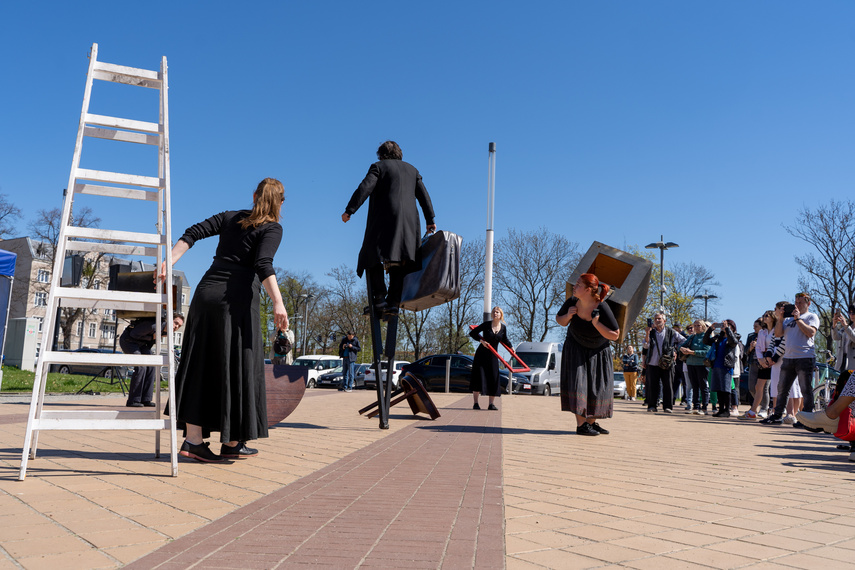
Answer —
818 419
790 420
701 413
762 415
696 412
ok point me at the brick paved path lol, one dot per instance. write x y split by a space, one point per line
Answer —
425 497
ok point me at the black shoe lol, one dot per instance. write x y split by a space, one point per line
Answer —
844 447
599 429
134 405
378 309
586 429
199 452
722 414
492 407
389 313
237 452
475 406
149 404
773 420
810 429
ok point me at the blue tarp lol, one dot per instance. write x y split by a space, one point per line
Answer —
7 263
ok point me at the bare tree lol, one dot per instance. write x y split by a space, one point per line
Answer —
531 271
684 282
8 213
454 318
828 273
44 229
418 330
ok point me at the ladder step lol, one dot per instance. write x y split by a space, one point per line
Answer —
99 423
74 297
111 248
127 75
114 235
114 192
126 124
118 178
105 358
125 136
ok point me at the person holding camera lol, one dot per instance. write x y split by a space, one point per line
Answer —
347 349
725 342
843 331
798 326
660 342
695 351
587 369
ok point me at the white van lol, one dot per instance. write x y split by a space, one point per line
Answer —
317 364
544 359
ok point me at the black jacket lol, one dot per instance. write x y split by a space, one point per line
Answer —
392 231
351 356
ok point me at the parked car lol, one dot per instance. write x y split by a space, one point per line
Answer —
91 369
317 364
333 378
620 385
430 371
371 382
544 359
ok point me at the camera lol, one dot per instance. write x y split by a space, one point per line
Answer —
595 313
649 323
788 310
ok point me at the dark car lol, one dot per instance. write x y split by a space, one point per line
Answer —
430 370
333 379
91 369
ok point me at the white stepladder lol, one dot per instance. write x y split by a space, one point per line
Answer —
116 242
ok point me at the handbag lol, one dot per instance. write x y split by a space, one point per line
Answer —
282 344
438 279
666 357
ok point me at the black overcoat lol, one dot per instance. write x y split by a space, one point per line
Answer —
392 231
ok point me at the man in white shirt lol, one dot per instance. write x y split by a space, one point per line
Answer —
799 357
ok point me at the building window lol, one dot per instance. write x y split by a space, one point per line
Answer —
41 322
41 299
44 276
80 328
108 332
97 285
92 329
94 311
38 349
176 337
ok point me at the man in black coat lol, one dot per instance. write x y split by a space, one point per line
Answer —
393 231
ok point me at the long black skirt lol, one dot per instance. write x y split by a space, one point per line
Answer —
587 380
220 380
485 373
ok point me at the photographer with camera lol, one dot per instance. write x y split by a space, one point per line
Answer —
798 327
660 342
724 339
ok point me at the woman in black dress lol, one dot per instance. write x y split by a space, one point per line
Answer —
485 368
219 385
587 369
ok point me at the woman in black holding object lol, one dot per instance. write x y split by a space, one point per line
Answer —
219 385
485 369
587 369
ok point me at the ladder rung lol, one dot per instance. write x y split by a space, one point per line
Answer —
111 248
112 191
105 358
110 296
150 308
118 178
118 123
99 424
125 136
114 235
98 414
124 74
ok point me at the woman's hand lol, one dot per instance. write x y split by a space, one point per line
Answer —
484 343
345 217
572 311
280 316
685 350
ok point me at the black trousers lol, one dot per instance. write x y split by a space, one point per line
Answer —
378 284
655 377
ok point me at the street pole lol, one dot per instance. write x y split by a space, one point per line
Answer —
307 297
491 202
661 245
706 297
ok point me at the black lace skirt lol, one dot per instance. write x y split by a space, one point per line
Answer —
587 380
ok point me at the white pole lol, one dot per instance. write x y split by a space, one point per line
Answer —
488 262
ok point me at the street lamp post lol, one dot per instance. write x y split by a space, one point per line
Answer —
661 246
307 297
706 297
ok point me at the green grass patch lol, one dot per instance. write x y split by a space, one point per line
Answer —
16 380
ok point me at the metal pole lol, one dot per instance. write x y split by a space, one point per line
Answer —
662 274
306 324
488 261
448 375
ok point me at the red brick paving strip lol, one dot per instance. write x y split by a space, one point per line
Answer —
428 496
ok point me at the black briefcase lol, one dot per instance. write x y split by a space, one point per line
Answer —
438 280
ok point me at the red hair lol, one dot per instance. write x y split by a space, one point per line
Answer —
591 281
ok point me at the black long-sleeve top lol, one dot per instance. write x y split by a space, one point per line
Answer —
485 331
252 247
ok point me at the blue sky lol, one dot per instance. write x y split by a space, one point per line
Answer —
711 123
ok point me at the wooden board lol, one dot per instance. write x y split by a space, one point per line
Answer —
285 388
